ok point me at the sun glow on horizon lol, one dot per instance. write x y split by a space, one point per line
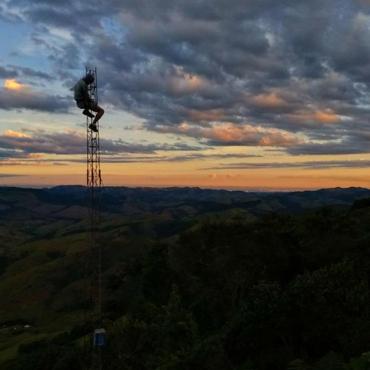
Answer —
12 84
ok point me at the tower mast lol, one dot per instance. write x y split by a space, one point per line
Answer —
94 184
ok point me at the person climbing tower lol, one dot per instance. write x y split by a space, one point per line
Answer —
83 100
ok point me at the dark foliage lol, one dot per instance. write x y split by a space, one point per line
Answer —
282 292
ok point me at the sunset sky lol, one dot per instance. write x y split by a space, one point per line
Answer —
253 94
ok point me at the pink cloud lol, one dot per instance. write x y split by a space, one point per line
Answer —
232 134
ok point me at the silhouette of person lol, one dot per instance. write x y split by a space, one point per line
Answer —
83 100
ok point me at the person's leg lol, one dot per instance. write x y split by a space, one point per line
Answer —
99 113
82 105
86 112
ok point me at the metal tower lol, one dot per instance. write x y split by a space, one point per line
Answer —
94 179
94 184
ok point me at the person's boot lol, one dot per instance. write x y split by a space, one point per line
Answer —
87 113
93 127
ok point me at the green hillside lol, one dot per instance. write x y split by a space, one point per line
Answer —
192 280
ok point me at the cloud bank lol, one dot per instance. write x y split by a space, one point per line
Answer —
288 74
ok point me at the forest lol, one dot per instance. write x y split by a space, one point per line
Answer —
277 291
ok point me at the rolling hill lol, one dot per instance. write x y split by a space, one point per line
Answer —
159 244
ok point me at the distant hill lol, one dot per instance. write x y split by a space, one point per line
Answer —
233 258
69 201
31 214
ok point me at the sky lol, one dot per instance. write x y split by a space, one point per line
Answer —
252 94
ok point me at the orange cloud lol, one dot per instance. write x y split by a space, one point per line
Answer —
270 100
11 133
326 117
231 134
12 84
320 116
208 115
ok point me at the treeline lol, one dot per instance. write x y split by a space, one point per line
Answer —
279 293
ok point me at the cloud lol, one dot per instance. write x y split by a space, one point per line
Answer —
36 145
15 95
7 73
269 101
12 84
327 116
5 176
302 165
27 72
229 134
347 146
202 156
13 71
147 158
216 65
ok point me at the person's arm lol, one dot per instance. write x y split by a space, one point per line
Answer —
85 93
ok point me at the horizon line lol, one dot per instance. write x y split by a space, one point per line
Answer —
215 188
